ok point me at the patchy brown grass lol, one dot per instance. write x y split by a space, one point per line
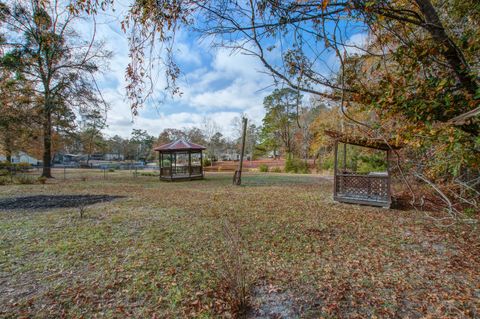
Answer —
158 253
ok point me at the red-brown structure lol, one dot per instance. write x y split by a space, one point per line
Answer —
180 160
373 188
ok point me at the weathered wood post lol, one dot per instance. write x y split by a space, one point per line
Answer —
237 178
335 172
190 164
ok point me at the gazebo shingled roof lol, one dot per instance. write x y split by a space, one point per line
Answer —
374 143
179 145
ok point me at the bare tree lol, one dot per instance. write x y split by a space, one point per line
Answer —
302 44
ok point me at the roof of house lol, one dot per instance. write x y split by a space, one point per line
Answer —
376 143
179 145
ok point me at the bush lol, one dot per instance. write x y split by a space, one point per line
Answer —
295 165
4 172
470 212
111 170
23 166
207 162
5 165
25 180
263 168
276 169
42 180
149 174
4 180
325 163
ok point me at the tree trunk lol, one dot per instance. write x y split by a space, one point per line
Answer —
452 52
454 57
8 148
47 145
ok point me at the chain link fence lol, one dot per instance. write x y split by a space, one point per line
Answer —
31 174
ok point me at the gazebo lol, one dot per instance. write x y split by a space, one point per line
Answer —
373 188
180 160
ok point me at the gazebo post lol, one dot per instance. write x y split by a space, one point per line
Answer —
160 163
189 163
201 162
171 166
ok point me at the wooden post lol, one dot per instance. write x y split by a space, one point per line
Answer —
237 178
389 195
335 178
344 157
201 162
160 163
189 163
171 166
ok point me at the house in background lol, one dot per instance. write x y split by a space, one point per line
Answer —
21 157
113 157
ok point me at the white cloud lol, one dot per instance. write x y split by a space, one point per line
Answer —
356 43
218 85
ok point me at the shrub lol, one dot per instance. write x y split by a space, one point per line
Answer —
233 270
5 165
4 172
25 180
470 212
149 174
295 165
207 162
276 169
111 170
263 168
325 163
23 166
4 180
42 180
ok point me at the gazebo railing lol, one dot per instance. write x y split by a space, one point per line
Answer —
181 170
165 171
362 187
196 170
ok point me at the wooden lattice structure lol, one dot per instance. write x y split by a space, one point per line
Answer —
372 188
180 160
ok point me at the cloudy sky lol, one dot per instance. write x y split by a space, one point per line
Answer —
216 83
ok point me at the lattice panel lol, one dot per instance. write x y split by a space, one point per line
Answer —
166 171
196 170
363 186
180 170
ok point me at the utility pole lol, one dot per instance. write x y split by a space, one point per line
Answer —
237 178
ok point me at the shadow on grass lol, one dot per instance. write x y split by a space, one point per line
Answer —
45 202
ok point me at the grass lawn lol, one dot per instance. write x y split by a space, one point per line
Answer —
162 251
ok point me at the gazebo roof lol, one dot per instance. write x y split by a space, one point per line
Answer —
376 143
179 145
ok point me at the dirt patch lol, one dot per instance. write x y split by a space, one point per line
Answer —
271 302
44 202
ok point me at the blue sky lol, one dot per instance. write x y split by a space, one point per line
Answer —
216 83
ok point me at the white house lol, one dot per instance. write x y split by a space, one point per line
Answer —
21 157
